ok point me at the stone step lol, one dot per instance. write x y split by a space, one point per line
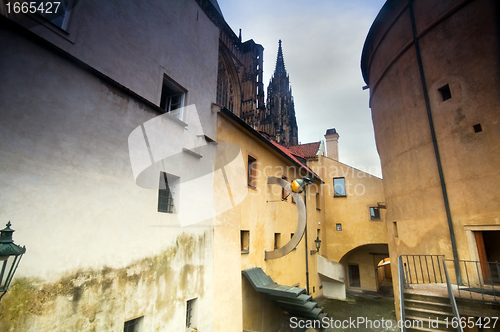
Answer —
441 307
427 298
425 329
427 313
427 324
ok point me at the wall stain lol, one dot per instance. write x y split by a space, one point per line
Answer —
102 299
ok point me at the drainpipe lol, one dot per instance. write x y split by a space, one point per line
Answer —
434 142
307 258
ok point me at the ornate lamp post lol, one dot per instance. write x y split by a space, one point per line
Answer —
10 256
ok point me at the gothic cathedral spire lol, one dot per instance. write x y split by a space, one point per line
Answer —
280 116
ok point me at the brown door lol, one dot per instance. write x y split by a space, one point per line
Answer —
481 250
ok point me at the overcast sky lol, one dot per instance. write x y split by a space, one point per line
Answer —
322 44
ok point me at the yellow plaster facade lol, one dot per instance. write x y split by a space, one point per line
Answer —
264 214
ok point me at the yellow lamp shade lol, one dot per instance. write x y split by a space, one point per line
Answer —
298 186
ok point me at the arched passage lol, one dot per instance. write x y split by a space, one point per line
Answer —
361 266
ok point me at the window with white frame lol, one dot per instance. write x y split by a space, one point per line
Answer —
339 187
172 95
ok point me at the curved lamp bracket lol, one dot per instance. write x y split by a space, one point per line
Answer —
301 224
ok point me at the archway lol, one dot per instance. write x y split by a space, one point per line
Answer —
361 266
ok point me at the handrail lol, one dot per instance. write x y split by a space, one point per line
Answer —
422 269
452 299
401 293
479 277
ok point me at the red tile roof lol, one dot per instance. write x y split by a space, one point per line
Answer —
309 150
292 155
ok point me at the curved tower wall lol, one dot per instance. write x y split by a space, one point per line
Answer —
459 51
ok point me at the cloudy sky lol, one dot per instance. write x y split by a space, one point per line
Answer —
322 44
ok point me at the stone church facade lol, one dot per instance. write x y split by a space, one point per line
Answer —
240 87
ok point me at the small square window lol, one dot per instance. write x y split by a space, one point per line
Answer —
339 227
445 92
172 96
477 128
245 242
339 187
374 213
252 172
191 313
133 325
277 240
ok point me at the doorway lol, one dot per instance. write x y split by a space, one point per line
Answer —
488 249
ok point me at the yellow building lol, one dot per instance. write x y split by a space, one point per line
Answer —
352 240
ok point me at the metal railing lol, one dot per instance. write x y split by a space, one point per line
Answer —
452 299
401 275
479 277
423 269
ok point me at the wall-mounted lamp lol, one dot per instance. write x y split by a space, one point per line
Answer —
10 256
317 242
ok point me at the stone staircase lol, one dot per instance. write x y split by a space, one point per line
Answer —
433 311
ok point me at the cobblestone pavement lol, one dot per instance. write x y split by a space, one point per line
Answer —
360 312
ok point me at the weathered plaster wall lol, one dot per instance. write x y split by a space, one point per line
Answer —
96 245
155 287
459 48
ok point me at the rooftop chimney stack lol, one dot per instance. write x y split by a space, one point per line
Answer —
332 144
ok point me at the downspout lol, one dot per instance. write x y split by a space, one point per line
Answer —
434 142
307 258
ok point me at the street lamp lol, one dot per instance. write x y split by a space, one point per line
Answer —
10 256
317 242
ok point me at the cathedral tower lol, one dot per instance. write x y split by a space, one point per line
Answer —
279 119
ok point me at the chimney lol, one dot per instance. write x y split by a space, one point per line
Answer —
332 144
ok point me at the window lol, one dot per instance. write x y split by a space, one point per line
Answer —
165 198
395 228
56 14
445 92
318 202
191 313
339 187
172 96
354 280
284 194
374 213
245 242
277 240
477 128
339 227
133 325
252 172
